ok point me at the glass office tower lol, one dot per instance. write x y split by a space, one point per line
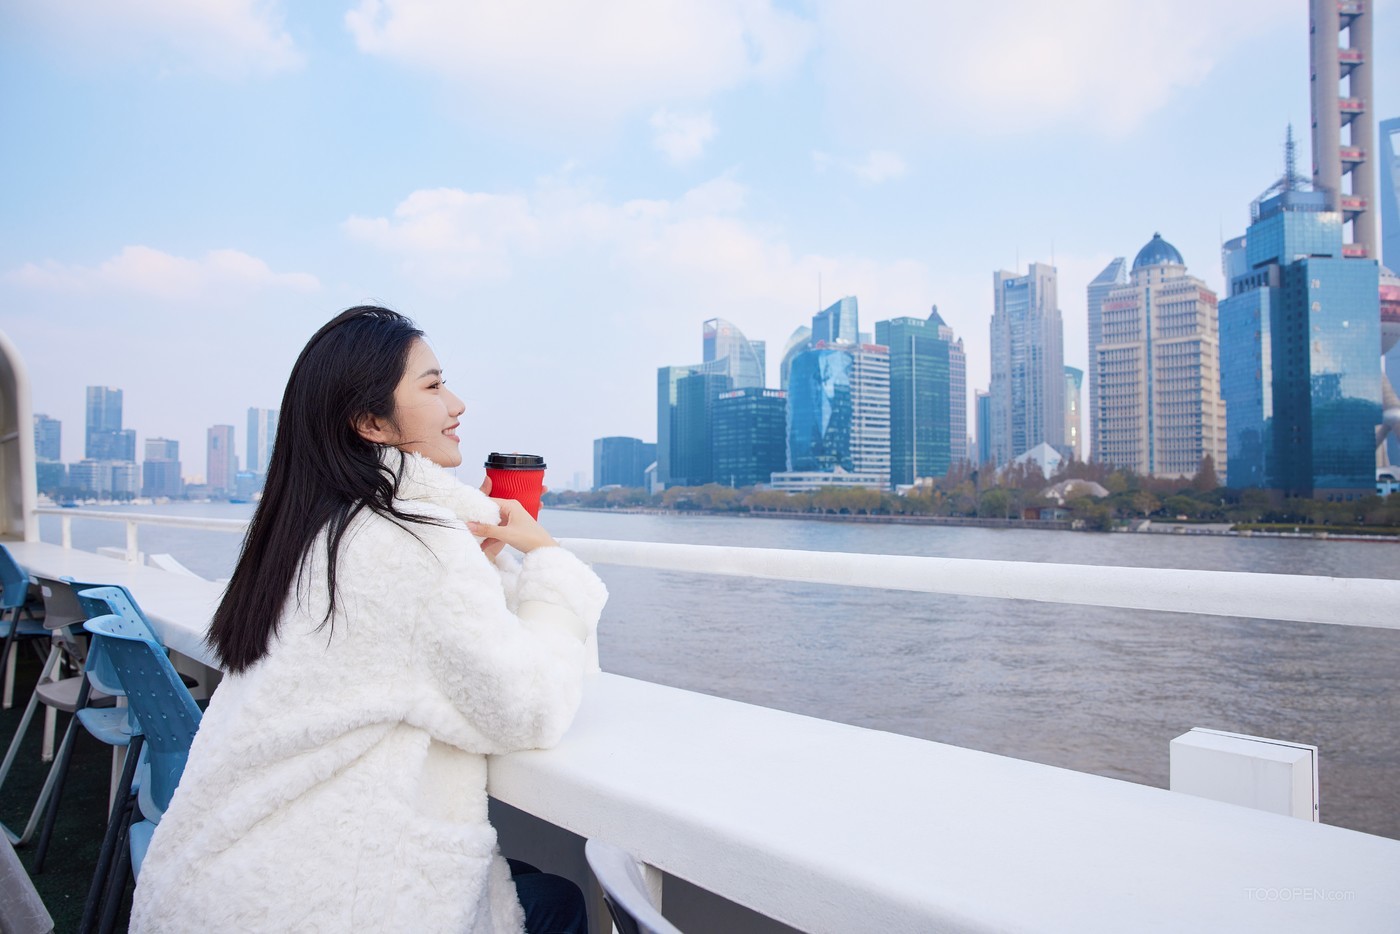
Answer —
921 436
838 323
1028 365
620 461
820 410
48 438
1318 400
1246 375
743 359
750 435
693 462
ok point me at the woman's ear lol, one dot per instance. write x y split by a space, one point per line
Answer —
373 429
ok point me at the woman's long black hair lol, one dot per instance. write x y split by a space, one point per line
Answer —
322 472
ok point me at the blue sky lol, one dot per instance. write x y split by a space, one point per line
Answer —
560 193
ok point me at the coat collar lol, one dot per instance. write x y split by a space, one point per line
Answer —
420 480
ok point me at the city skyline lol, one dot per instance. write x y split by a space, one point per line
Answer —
201 193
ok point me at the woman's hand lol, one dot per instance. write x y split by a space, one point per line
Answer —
518 528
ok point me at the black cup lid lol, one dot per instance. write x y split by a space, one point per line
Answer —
515 461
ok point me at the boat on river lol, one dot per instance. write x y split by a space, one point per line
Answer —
752 819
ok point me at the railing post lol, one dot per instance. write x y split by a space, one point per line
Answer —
132 552
67 524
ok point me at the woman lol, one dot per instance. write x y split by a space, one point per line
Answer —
377 646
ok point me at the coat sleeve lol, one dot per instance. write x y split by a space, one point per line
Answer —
516 676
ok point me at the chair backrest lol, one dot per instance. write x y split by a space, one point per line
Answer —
625 891
115 600
61 605
156 696
14 582
22 911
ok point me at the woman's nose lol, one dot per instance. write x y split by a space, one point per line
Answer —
455 404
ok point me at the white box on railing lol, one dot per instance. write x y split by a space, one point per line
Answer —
1265 774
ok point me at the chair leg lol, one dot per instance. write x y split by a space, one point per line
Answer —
116 825
60 768
24 722
119 876
9 657
13 751
37 813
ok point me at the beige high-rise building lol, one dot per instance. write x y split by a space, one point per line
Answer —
1158 370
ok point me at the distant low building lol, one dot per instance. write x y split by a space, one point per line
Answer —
807 481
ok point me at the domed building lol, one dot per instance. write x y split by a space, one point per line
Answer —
1156 370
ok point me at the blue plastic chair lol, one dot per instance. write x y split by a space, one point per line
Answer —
115 600
62 613
113 726
168 718
14 600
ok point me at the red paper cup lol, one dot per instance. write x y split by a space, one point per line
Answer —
519 477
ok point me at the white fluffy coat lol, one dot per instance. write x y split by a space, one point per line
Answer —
340 783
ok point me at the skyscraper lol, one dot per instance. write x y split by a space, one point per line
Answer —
1389 195
222 461
957 394
1158 365
726 353
750 435
983 409
1299 350
1027 338
838 323
623 462
692 441
1074 423
1343 135
262 432
105 439
160 471
744 359
820 410
839 410
870 427
48 438
1114 275
1390 300
921 431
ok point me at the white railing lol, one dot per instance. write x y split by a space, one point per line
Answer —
1342 601
828 827
133 520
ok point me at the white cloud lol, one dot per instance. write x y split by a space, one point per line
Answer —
144 271
229 38
682 137
1021 64
663 265
878 166
578 62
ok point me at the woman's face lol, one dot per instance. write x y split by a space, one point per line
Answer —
425 411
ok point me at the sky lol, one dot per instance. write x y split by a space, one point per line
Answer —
560 193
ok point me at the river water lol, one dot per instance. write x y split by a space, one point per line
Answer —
1096 690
